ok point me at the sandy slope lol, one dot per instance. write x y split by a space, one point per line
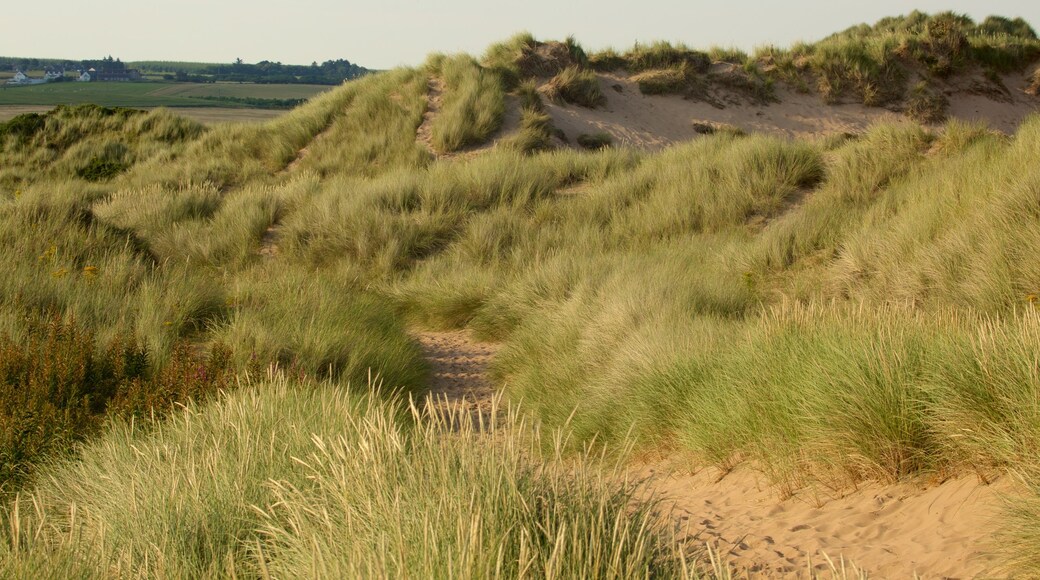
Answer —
888 531
652 122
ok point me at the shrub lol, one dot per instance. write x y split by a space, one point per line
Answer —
22 127
101 169
595 140
57 387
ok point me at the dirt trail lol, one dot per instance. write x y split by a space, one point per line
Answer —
434 97
269 241
459 367
888 531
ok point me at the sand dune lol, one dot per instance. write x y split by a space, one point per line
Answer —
652 122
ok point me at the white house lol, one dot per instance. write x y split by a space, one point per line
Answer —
21 78
53 75
84 78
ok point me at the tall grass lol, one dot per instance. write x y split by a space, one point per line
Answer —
472 106
308 480
575 86
872 63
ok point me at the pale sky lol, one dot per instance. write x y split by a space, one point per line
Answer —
388 33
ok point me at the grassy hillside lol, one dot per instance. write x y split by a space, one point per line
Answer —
859 307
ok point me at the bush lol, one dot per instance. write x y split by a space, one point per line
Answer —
595 140
57 387
101 169
22 127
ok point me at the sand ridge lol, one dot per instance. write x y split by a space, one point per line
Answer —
653 122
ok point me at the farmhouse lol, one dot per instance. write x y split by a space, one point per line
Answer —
21 78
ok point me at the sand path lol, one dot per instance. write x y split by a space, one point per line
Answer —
885 530
458 367
434 97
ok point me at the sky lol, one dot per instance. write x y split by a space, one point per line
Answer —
387 33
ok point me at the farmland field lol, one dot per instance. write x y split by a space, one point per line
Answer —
204 115
151 94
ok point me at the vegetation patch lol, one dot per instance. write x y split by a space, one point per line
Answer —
1034 83
473 104
58 385
658 55
101 169
22 128
575 86
924 105
595 140
871 63
291 479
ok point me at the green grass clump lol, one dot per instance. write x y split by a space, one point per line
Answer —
669 81
535 134
871 64
309 480
322 326
926 106
472 108
575 86
22 127
523 58
658 55
101 169
595 141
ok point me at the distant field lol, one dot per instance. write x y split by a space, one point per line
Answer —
151 94
262 91
204 115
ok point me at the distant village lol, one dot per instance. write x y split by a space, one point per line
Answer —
105 70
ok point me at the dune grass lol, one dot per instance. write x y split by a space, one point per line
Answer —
309 480
575 86
871 64
833 310
472 106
